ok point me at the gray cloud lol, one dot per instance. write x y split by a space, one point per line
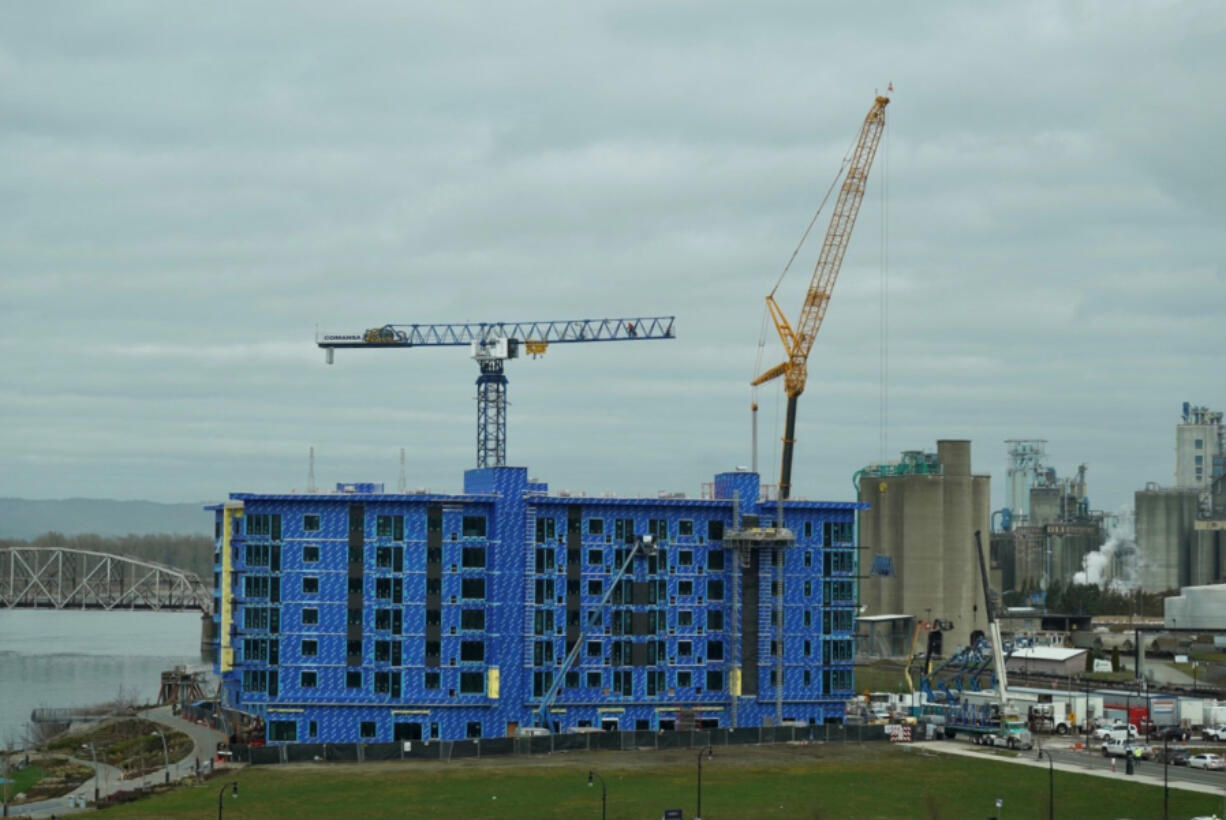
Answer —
188 192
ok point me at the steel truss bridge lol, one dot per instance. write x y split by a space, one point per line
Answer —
58 578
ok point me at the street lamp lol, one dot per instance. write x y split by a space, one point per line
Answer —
603 791
707 752
222 794
165 750
1166 782
94 753
1051 786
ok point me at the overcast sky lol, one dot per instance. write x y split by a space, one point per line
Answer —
188 190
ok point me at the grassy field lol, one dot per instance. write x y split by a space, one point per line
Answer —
46 777
880 677
812 782
24 779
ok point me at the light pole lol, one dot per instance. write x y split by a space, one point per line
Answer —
1166 782
221 794
590 783
93 752
1086 681
165 750
708 753
1051 786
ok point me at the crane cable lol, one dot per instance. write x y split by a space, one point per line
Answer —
884 399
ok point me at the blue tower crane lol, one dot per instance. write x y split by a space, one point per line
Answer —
492 343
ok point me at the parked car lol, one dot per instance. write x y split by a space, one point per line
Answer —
1213 733
1174 733
1178 757
1207 760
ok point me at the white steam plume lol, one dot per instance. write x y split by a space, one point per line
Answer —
1096 567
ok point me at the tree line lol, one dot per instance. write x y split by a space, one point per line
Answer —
191 553
1069 598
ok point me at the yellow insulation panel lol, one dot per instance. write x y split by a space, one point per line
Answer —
228 516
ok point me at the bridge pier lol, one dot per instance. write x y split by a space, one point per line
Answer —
208 638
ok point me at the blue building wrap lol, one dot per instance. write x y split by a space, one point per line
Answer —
360 615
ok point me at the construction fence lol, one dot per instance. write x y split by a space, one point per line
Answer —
548 744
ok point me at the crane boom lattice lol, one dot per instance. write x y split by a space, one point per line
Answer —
798 340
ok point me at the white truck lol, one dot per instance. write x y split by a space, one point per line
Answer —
1055 717
1120 746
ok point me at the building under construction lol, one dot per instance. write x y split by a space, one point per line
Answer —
361 615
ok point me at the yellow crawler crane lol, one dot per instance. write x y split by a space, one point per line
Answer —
798 341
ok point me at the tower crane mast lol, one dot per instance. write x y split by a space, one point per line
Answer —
798 340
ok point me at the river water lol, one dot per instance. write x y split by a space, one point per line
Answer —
51 658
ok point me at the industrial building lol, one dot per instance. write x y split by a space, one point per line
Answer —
919 525
1047 660
361 615
1180 529
1048 527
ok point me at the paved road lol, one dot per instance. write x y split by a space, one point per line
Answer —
1093 763
1147 768
110 780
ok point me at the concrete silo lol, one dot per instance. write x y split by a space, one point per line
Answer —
924 510
1165 522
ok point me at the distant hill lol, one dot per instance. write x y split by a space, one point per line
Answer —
24 519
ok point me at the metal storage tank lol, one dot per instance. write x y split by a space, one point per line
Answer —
923 515
1199 607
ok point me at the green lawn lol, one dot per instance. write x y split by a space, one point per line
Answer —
823 781
24 779
884 677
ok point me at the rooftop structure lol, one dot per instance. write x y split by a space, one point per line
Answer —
1199 448
1026 467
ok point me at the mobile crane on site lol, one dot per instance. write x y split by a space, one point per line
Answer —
988 718
798 340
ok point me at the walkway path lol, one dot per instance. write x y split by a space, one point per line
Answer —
110 780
